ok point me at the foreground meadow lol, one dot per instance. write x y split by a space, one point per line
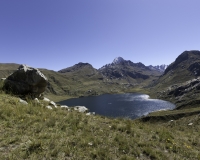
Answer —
34 132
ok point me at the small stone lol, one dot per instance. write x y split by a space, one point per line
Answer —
53 104
49 107
64 107
190 124
36 100
90 113
46 99
82 109
90 144
23 102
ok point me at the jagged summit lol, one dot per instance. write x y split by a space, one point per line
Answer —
160 68
118 60
128 72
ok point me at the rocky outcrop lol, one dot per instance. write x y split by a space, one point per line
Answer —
26 80
195 68
184 95
184 88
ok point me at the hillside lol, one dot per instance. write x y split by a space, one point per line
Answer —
7 68
180 82
35 132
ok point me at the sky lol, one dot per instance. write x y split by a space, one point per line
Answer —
57 34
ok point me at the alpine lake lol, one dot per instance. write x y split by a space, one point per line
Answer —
129 105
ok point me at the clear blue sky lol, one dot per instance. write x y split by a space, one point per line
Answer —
56 34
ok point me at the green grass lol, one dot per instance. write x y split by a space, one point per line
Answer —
34 132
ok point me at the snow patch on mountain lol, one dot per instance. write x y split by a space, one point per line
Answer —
160 68
118 60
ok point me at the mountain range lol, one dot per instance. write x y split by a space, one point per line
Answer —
177 82
120 60
82 79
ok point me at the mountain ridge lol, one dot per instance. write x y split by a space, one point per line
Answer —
160 68
121 76
180 81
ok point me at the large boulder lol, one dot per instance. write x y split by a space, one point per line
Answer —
26 80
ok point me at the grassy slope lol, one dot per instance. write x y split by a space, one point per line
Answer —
34 132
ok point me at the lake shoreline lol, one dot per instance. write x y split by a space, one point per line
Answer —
129 105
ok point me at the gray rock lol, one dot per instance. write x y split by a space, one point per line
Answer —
64 107
49 107
46 99
36 100
51 103
26 80
90 113
81 109
23 102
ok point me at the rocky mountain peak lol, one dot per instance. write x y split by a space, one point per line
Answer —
184 59
160 68
118 60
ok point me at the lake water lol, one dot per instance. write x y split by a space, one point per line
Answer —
129 105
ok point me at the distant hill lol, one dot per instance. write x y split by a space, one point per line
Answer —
82 70
9 66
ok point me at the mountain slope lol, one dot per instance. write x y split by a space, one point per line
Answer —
81 70
180 82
